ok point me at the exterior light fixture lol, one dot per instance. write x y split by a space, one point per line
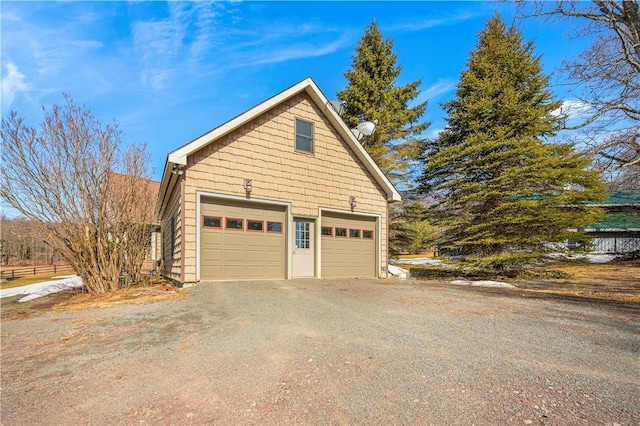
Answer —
353 202
248 186
177 170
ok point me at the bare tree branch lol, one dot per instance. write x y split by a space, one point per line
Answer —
606 79
609 71
62 178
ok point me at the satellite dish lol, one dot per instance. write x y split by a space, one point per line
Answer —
366 128
338 106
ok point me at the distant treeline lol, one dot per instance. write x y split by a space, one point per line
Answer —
21 245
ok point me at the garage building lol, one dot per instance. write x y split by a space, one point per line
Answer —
284 190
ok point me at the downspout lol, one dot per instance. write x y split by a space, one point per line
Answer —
182 225
386 264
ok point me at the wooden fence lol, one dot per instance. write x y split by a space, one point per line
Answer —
34 270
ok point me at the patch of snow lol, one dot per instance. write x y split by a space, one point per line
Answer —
483 283
420 261
33 291
591 258
398 272
600 258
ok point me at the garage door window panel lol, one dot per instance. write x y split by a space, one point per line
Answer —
255 225
367 235
275 227
354 233
234 224
341 232
212 222
327 231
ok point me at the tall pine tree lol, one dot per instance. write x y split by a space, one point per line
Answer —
373 94
506 191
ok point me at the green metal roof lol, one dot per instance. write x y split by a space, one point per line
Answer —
617 221
622 198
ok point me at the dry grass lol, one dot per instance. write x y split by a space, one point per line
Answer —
416 256
613 282
32 279
156 289
619 273
136 296
619 282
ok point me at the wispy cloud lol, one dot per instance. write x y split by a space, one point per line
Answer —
435 91
574 109
54 54
434 133
288 52
160 44
197 40
423 23
440 87
12 83
248 44
43 54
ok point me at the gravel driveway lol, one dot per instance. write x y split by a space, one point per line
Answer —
326 352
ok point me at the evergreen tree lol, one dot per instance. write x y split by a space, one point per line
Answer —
505 191
410 230
372 94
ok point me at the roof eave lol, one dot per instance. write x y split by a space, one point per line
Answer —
316 94
180 155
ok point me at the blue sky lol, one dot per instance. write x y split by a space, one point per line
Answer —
169 72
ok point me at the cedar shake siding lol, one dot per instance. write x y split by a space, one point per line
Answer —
263 148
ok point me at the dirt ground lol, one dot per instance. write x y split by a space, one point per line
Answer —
323 352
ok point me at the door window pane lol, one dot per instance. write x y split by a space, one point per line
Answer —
302 235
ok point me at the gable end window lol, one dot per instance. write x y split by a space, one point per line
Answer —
304 136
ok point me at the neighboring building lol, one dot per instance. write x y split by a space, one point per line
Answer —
619 231
283 190
145 210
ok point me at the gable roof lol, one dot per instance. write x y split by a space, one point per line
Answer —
146 190
179 156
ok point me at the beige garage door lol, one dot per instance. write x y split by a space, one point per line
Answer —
241 240
348 246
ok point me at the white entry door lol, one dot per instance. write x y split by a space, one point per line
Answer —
303 249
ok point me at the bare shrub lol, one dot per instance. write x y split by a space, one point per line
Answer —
61 176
